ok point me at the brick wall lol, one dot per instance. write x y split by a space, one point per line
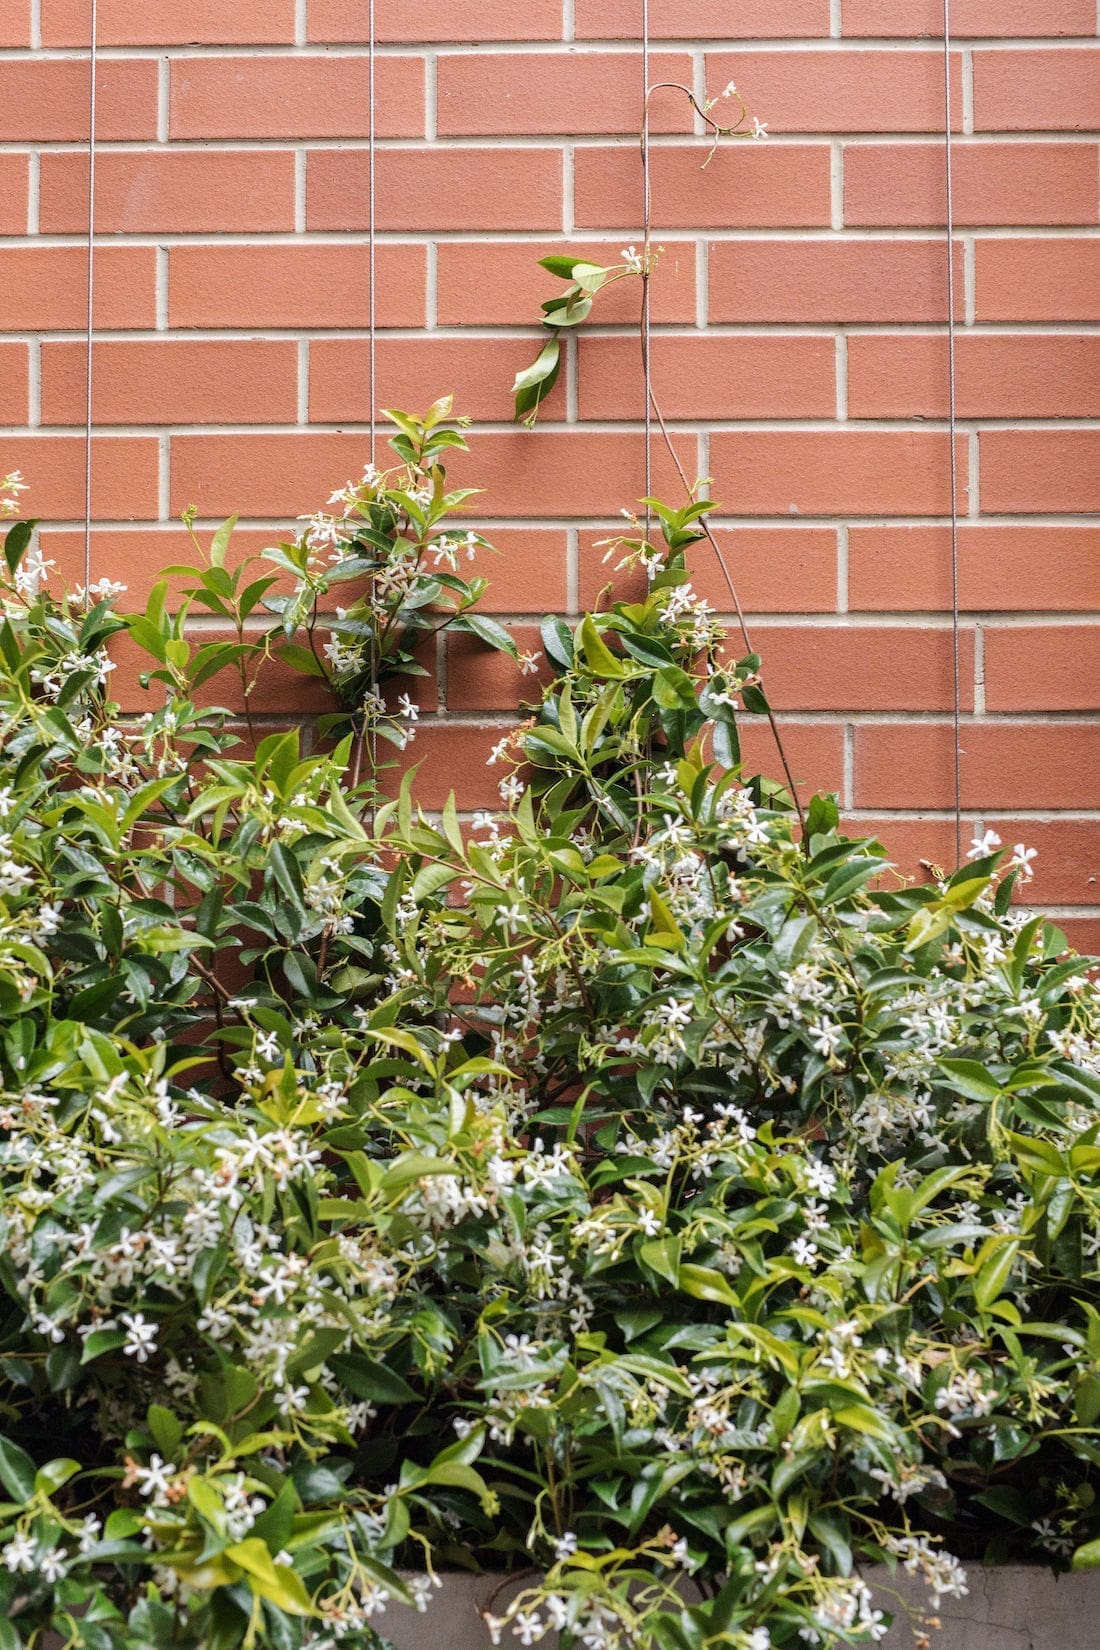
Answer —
799 354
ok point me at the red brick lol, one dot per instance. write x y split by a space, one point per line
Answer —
262 475
540 92
542 473
970 18
293 286
170 191
745 186
14 384
708 376
1000 568
912 843
1037 91
1004 765
527 575
136 556
199 22
831 91
43 288
830 280
124 475
834 472
702 19
566 473
48 100
994 183
1042 667
773 569
1067 871
452 756
1047 280
1039 470
15 23
503 284
815 753
1082 934
13 194
251 97
1030 376
411 373
478 678
857 667
475 21
436 189
173 381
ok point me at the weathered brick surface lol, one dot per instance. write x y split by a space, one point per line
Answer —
799 355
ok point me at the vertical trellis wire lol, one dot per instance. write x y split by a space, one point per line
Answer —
93 46
652 409
951 421
646 216
372 324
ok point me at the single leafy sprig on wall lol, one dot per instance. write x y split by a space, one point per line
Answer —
394 532
569 308
390 536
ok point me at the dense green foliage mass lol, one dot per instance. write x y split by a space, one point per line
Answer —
636 1185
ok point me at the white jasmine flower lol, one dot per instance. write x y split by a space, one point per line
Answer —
980 846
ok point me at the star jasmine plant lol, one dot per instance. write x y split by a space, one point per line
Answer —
633 1193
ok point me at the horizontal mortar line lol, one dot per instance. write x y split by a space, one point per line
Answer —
511 332
1061 910
854 234
1032 814
927 619
936 622
914 45
477 142
610 523
929 718
908 425
492 718
853 425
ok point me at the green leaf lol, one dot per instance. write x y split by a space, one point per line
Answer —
1088 1556
55 1473
993 1272
369 1379
488 631
705 1284
663 1255
166 1430
16 541
431 878
557 641
278 1583
220 542
17 1471
862 1418
207 1503
601 661
969 1078
534 383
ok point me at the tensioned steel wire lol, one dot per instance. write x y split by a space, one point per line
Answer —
646 213
93 49
372 327
949 238
652 407
653 410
